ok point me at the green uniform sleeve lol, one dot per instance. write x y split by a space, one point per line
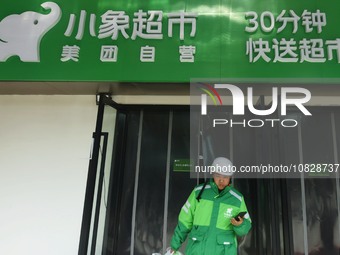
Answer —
245 227
185 222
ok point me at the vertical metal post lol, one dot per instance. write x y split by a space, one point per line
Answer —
231 148
336 160
200 149
231 144
303 194
134 208
167 178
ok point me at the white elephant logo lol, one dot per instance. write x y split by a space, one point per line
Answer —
228 213
20 35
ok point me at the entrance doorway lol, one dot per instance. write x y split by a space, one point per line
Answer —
136 187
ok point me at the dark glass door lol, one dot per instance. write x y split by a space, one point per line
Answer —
138 193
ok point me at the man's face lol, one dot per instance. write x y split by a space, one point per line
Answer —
221 181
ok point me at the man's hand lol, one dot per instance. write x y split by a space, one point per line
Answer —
235 222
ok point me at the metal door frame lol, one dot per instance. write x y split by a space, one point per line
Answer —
104 99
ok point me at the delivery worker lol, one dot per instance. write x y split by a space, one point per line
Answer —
208 216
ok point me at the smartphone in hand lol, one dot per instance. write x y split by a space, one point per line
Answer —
241 214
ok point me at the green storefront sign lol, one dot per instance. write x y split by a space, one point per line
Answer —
168 41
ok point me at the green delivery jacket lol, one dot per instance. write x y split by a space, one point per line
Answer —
208 221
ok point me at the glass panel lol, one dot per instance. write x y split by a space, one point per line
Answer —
268 200
215 142
337 224
96 236
295 203
245 153
125 221
248 187
109 122
321 201
100 160
292 207
180 184
151 186
321 205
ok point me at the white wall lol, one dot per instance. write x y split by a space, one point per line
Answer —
44 149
